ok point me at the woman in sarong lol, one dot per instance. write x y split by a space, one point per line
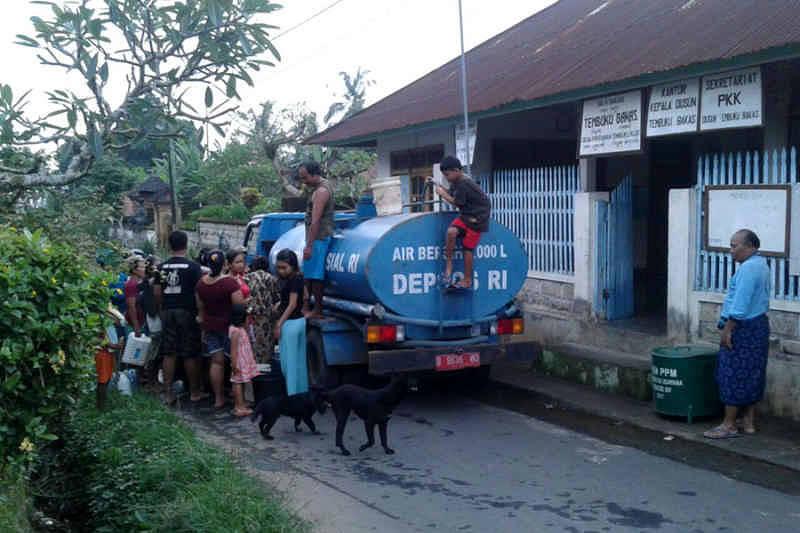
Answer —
264 294
744 343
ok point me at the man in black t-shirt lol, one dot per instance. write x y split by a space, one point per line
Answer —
181 332
474 207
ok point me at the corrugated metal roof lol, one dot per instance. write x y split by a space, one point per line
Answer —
577 44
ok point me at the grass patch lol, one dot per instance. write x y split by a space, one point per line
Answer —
14 505
143 469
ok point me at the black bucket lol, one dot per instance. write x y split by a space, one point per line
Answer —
270 383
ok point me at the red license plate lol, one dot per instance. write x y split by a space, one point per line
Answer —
457 361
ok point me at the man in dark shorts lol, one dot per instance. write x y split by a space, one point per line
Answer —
181 332
474 210
320 227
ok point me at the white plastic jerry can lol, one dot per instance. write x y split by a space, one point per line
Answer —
136 350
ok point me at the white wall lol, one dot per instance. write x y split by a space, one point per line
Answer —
428 137
532 125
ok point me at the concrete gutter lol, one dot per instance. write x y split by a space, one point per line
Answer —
777 442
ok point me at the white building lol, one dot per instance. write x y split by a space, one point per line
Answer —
623 141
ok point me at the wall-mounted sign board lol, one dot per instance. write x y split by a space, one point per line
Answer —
764 209
611 125
732 100
673 108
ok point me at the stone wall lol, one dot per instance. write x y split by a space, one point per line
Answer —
784 326
782 396
224 235
548 294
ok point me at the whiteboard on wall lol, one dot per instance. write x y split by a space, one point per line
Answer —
764 209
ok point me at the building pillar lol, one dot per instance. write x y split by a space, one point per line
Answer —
587 171
585 224
681 254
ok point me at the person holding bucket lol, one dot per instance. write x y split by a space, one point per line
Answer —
744 343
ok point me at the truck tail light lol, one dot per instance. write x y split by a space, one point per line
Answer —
385 334
510 326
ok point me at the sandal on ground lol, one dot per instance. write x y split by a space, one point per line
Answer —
721 432
241 413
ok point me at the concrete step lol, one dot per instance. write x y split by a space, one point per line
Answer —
615 337
613 371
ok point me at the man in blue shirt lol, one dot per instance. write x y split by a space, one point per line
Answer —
744 343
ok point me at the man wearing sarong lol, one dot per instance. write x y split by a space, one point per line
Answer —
744 344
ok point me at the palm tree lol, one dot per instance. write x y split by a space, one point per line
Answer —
353 97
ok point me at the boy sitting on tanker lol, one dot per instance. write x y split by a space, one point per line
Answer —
474 210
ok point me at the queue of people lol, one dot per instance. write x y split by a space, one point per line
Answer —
218 318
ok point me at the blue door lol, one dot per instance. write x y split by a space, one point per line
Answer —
614 264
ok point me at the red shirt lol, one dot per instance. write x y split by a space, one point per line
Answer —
216 298
243 285
132 291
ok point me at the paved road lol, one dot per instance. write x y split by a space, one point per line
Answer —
463 466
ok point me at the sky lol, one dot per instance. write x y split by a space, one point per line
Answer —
396 41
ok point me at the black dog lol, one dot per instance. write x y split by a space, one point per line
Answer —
301 407
374 407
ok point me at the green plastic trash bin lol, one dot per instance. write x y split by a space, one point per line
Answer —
683 381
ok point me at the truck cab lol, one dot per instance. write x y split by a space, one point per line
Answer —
263 230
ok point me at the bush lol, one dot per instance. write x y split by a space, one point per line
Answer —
222 213
50 322
142 469
250 197
267 205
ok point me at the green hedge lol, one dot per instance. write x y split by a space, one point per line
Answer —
143 469
51 319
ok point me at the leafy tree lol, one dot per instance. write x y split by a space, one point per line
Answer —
230 170
158 50
276 135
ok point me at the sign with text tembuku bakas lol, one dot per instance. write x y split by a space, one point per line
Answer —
611 124
732 100
673 108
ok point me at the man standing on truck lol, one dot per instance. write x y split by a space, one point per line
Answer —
320 211
474 210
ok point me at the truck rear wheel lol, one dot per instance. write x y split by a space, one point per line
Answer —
319 372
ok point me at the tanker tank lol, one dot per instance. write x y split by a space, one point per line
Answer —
397 261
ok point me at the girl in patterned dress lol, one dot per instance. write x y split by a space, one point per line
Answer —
243 364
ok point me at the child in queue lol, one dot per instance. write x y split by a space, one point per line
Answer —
290 330
243 362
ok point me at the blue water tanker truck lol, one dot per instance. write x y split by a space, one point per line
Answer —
387 309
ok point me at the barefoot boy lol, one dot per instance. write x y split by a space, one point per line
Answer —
474 208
